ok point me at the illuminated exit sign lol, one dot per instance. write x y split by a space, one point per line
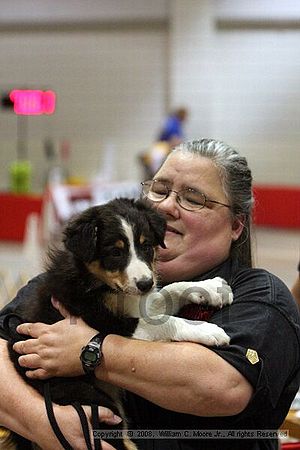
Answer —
29 102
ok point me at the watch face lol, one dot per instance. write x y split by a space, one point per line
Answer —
90 356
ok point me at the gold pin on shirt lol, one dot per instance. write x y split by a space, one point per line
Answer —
4 433
6 440
252 356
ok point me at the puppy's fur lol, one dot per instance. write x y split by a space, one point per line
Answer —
105 269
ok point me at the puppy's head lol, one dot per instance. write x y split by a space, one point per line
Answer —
117 243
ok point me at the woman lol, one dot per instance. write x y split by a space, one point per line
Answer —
204 190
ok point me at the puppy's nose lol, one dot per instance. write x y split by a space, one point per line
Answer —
145 284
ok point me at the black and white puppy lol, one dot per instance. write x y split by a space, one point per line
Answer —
105 274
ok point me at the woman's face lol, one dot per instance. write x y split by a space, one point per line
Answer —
196 241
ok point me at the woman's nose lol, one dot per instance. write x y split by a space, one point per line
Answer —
169 205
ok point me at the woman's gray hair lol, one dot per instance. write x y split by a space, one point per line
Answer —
237 184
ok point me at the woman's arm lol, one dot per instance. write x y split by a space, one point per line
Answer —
205 384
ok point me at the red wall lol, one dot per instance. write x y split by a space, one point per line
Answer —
277 206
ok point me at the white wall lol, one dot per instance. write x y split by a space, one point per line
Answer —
236 10
77 11
257 100
238 69
191 63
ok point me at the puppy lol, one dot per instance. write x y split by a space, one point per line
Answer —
105 274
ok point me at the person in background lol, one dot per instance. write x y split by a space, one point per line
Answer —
172 130
169 136
296 287
226 398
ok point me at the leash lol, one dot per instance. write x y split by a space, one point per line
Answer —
84 424
53 422
82 417
95 425
10 323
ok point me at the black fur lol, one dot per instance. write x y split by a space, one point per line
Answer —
87 238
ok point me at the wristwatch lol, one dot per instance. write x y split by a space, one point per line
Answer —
91 354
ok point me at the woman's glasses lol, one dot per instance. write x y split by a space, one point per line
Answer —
188 198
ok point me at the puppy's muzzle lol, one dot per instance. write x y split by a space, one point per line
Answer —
144 284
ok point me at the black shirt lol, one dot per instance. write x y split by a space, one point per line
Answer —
263 320
263 317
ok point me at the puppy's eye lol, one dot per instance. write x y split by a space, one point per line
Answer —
116 252
147 248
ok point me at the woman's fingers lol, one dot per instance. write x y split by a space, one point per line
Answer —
24 347
107 416
32 329
38 374
106 446
32 361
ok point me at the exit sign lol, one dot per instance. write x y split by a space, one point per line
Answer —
30 102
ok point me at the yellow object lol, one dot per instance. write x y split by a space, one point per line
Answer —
6 440
252 356
4 432
76 181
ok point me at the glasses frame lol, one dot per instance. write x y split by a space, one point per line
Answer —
206 199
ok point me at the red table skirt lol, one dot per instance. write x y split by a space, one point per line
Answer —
14 209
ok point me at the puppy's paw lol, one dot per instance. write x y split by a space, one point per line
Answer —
213 335
214 292
144 332
203 333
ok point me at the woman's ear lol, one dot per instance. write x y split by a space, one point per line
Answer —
238 225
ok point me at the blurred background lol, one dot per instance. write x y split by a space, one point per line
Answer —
116 69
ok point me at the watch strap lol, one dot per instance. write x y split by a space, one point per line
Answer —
97 338
94 342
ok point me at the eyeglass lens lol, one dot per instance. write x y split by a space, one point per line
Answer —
188 198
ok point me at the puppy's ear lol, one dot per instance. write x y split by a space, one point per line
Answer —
156 221
80 238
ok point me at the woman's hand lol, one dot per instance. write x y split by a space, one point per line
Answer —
55 349
70 426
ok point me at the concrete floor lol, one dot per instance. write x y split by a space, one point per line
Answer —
276 250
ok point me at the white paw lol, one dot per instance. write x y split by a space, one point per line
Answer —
214 335
203 333
215 292
144 332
